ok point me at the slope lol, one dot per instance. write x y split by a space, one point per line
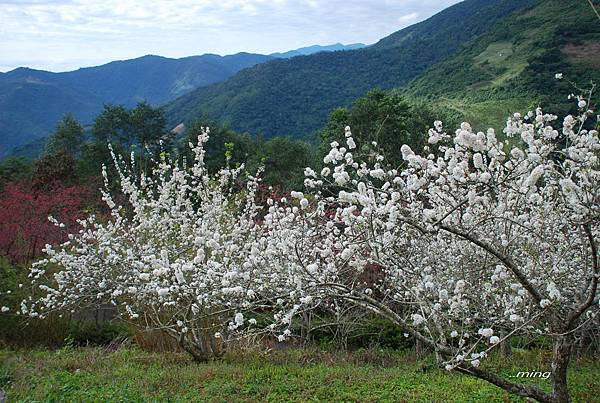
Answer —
32 101
512 67
294 96
30 107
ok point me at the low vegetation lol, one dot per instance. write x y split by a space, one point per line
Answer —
310 374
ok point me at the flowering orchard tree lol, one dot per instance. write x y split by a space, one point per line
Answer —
470 243
474 241
177 259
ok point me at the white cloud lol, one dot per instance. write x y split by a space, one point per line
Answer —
408 18
66 34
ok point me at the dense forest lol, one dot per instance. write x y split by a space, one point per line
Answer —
294 97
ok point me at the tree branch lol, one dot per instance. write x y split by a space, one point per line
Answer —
506 260
593 282
594 8
516 388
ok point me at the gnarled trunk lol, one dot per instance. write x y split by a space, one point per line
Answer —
560 363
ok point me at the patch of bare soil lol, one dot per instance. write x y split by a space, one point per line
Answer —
588 53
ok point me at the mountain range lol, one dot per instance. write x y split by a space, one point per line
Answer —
33 101
294 97
479 59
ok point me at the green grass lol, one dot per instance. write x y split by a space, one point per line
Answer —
513 65
132 375
485 114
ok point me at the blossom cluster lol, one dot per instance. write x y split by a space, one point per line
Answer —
474 239
178 257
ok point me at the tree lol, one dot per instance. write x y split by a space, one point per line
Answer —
67 137
284 160
383 117
180 256
474 244
24 225
141 131
15 169
238 147
148 127
113 126
53 169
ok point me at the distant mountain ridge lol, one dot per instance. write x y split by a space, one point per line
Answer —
32 101
294 96
309 50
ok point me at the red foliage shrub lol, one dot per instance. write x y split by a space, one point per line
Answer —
265 192
24 210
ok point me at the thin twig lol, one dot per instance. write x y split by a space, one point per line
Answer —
594 8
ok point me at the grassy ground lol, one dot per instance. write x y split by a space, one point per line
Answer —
129 374
485 114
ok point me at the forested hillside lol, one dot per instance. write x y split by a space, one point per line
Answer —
33 101
294 97
513 66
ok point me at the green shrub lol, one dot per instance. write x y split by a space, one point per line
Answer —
380 332
83 333
368 332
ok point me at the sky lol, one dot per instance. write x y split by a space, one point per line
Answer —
64 35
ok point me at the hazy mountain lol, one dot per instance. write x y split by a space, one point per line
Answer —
32 101
309 50
294 96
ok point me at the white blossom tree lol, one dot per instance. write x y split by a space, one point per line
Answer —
474 241
467 244
177 258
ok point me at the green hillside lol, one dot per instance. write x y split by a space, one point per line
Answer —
156 79
30 108
33 101
294 97
512 66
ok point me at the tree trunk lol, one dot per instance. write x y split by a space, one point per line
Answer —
419 348
505 348
560 363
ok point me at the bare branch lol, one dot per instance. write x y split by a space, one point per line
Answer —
505 259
